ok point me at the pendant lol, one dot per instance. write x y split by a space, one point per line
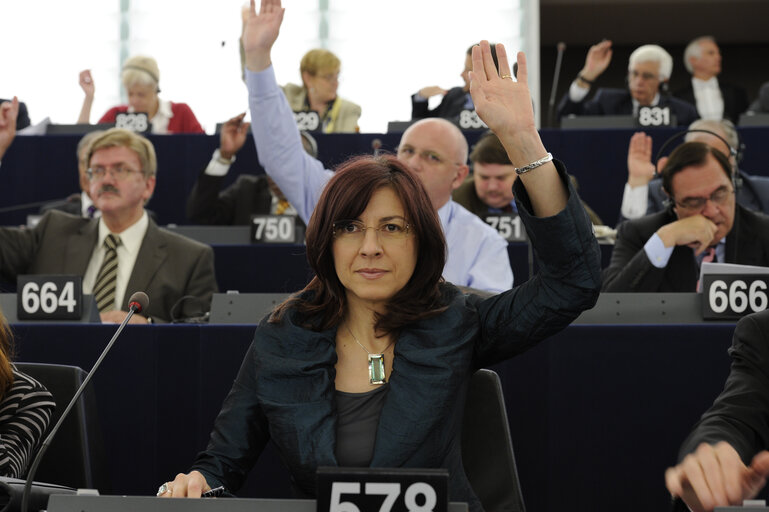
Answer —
376 368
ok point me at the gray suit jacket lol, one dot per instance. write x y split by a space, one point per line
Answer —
168 266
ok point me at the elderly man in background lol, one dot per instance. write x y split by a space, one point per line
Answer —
714 98
649 69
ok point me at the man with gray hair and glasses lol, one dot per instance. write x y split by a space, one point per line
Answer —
649 69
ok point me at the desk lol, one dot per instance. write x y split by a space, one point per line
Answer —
44 167
593 414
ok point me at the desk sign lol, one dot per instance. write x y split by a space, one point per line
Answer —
273 229
509 225
469 120
732 296
307 121
49 297
655 116
134 121
385 490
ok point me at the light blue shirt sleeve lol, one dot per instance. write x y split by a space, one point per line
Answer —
279 148
658 254
477 254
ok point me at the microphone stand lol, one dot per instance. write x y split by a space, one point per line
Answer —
133 308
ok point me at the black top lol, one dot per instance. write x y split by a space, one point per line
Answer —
357 421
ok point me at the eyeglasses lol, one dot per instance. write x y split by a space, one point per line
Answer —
719 197
355 230
645 75
427 156
119 172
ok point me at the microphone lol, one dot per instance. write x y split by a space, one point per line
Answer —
556 74
136 304
25 206
376 145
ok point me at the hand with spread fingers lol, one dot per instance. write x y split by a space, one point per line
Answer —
714 475
191 485
260 31
505 106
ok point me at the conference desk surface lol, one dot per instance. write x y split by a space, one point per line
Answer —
597 412
43 167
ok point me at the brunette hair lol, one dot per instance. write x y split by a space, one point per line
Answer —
489 150
6 353
691 154
323 302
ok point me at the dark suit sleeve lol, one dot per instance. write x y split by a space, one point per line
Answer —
419 109
239 435
740 414
18 247
201 284
630 269
593 107
22 120
206 205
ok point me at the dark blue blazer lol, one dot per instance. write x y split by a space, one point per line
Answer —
618 102
285 388
451 106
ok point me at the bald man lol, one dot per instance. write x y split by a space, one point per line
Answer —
434 148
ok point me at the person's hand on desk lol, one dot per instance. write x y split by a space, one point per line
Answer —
696 231
715 476
116 317
191 485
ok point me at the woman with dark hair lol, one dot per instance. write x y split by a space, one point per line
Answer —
369 365
25 411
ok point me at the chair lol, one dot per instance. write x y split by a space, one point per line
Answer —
75 456
487 450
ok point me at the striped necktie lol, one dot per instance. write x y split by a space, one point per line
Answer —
106 280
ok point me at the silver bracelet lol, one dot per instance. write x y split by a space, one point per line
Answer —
533 165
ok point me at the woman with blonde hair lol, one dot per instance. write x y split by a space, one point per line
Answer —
141 79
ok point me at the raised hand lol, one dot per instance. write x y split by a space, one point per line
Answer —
714 475
260 31
86 82
232 136
505 106
640 169
502 103
597 60
9 111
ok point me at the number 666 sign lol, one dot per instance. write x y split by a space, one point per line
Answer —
731 296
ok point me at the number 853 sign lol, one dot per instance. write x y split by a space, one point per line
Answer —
731 296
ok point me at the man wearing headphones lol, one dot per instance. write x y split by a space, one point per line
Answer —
643 192
662 252
649 70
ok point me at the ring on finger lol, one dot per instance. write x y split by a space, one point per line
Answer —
164 489
506 76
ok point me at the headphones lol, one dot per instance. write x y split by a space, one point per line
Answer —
736 153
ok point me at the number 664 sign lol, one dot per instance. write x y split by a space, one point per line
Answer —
731 296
